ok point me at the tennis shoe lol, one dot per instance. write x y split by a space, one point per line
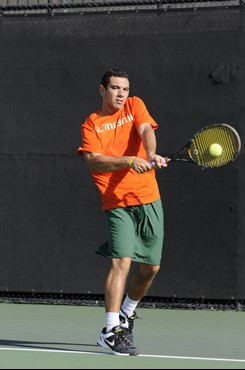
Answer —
127 323
117 342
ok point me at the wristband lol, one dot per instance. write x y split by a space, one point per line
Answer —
131 161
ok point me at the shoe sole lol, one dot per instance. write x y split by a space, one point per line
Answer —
104 345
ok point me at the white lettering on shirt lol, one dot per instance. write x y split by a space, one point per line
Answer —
112 126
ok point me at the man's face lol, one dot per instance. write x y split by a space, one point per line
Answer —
115 95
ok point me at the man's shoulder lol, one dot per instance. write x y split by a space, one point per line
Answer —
134 101
91 118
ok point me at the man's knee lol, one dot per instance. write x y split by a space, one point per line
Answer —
121 264
148 271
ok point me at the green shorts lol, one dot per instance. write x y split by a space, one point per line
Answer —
136 232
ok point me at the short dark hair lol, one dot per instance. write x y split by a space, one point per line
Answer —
113 73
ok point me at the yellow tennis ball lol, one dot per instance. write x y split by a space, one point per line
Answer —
215 150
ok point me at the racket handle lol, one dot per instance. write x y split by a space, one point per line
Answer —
163 161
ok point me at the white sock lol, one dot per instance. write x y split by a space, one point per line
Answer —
112 319
129 306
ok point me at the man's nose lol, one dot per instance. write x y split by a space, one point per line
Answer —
120 92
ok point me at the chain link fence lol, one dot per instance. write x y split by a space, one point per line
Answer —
146 302
9 7
136 17
143 20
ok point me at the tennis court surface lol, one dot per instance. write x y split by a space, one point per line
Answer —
36 336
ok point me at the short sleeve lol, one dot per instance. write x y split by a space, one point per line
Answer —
141 114
90 141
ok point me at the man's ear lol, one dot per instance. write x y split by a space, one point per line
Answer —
101 90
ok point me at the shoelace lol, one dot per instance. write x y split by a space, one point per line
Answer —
125 340
134 316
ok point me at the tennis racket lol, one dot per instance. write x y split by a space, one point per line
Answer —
212 146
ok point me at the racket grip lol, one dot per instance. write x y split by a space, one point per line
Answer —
163 161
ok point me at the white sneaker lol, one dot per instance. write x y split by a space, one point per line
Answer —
117 342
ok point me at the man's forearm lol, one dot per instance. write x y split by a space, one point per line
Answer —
104 163
148 138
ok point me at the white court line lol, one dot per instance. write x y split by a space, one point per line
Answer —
141 355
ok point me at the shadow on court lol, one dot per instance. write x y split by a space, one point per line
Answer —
55 346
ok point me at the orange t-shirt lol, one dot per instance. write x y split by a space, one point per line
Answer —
117 135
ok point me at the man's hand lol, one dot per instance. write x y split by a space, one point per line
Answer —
158 162
140 165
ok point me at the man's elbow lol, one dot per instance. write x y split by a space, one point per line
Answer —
144 128
92 159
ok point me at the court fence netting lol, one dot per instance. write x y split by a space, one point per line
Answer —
97 300
25 7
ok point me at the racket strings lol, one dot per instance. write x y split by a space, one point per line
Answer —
221 134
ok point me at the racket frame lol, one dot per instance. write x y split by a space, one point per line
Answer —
188 155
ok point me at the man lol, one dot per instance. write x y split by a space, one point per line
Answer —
119 145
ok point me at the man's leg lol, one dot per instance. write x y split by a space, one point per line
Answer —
142 280
116 282
112 336
140 283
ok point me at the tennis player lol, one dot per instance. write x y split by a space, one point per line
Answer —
119 145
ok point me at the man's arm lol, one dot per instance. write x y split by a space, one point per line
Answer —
104 163
148 138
